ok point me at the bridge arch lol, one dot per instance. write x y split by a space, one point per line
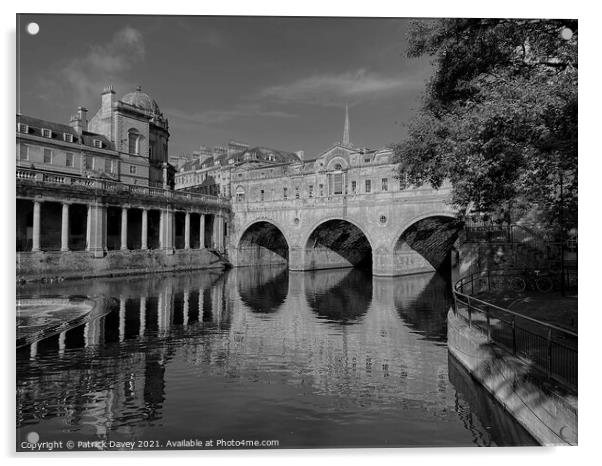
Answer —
336 242
431 235
262 242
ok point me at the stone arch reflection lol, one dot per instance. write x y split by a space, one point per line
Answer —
422 302
341 295
263 289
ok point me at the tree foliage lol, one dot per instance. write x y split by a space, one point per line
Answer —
499 116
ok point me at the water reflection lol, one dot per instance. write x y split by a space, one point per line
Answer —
265 289
423 305
256 354
340 295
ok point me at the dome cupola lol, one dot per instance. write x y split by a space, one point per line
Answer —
142 101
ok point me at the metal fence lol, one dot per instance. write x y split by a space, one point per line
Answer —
559 258
549 348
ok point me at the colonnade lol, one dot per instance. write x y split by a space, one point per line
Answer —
96 231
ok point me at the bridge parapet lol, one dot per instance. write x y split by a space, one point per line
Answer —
424 194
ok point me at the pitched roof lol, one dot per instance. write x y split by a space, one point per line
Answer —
58 129
263 154
255 154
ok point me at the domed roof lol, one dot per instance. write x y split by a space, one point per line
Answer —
141 100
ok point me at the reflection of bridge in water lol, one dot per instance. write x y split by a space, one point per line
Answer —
337 333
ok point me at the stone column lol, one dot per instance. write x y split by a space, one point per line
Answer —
215 233
187 230
35 245
144 239
202 232
97 231
166 236
124 228
173 230
88 228
161 239
65 228
220 238
222 231
105 236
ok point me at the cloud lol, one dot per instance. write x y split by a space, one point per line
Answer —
217 117
84 77
201 33
332 89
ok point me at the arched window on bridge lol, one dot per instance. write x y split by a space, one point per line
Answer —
240 194
337 180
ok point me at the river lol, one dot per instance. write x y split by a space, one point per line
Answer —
333 358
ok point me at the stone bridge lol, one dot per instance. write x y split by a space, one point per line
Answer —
395 233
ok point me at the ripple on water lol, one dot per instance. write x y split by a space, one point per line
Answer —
334 358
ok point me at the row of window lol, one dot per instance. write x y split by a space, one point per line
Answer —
89 162
338 189
384 185
48 133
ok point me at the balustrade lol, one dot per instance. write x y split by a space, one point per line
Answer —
115 186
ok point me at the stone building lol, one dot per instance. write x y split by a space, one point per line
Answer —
346 206
209 171
98 195
103 188
139 132
262 174
126 140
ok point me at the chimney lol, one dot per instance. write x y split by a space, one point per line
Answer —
79 121
108 98
82 115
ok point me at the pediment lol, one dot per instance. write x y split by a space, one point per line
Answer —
336 151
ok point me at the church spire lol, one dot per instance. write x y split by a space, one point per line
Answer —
346 142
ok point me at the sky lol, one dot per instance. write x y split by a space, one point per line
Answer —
266 81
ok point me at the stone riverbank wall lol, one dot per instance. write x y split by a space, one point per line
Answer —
547 411
80 264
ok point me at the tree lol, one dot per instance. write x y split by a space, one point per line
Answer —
499 116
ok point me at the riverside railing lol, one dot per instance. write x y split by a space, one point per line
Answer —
512 233
557 257
35 176
549 348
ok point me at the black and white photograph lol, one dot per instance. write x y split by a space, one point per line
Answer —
267 232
